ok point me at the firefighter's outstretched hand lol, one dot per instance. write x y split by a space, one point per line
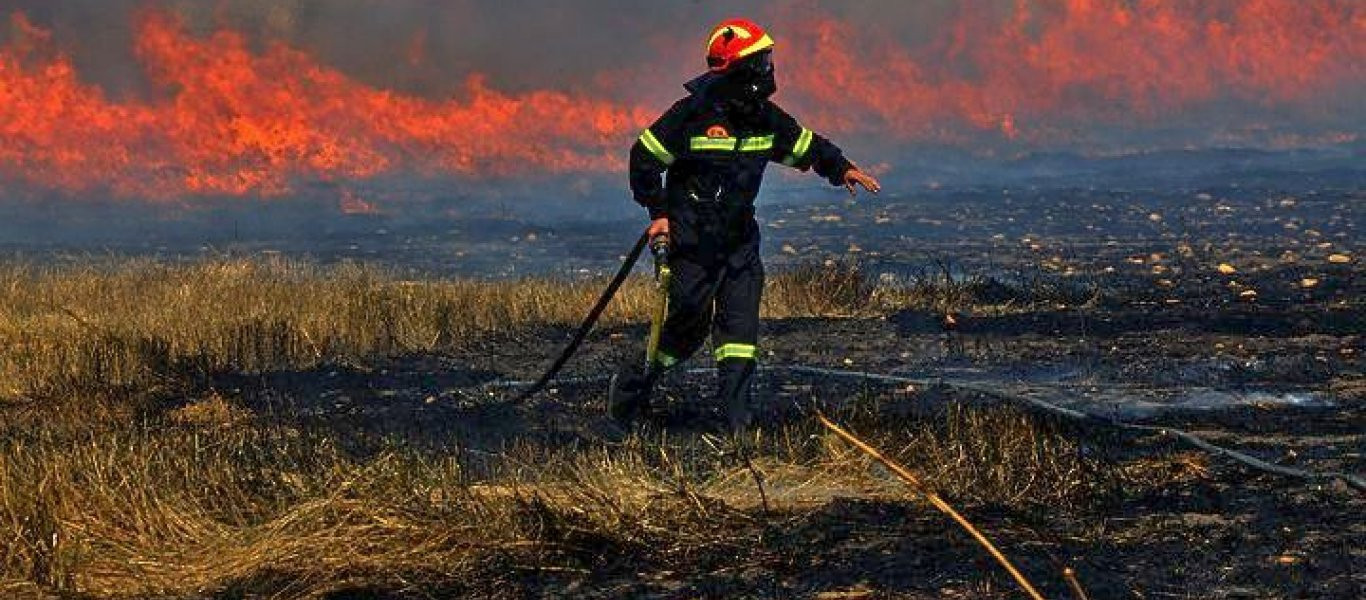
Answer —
658 227
855 178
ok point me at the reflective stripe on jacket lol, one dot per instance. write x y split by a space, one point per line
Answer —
700 152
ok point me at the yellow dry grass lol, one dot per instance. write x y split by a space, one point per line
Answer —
175 510
140 323
211 499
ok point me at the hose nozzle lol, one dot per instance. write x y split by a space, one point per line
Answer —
659 247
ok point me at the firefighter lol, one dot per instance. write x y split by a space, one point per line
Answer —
711 149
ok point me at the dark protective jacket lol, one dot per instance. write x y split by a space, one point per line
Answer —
714 156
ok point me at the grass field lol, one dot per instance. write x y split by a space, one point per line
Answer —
136 324
130 469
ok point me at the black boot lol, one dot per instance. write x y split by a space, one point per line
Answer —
734 391
628 394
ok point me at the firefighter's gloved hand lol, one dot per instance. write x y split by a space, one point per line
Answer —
658 227
855 177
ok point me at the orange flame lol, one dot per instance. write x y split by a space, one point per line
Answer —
1082 61
225 119
234 122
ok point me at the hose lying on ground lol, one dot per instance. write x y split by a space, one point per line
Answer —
1251 461
1350 480
589 321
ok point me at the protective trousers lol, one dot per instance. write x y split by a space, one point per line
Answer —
718 293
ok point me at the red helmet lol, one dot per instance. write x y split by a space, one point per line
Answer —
733 40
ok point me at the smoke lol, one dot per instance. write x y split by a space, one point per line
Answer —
179 101
520 45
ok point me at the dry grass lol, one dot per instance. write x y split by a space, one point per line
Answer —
164 509
105 498
133 324
1002 456
139 324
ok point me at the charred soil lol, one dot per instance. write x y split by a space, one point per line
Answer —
347 434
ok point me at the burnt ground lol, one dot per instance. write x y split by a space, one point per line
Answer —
1224 309
1282 380
1231 308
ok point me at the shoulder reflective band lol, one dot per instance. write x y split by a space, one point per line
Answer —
706 143
756 144
799 149
745 351
652 144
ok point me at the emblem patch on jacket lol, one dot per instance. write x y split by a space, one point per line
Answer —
716 132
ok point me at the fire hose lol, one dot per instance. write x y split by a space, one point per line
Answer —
659 247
